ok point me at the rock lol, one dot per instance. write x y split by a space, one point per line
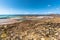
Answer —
3 35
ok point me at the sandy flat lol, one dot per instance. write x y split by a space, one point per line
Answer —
7 21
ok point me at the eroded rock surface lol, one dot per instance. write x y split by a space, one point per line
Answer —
32 30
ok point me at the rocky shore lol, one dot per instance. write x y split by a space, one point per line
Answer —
42 29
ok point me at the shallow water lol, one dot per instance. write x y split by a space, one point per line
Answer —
6 16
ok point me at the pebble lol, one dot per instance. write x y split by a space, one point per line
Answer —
32 34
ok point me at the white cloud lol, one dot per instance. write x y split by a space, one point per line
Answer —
12 11
57 8
49 5
50 12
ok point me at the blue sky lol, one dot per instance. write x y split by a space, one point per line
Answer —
29 7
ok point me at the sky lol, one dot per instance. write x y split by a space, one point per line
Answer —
29 7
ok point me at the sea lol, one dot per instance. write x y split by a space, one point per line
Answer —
6 16
11 16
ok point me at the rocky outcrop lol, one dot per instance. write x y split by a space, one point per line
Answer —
45 29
